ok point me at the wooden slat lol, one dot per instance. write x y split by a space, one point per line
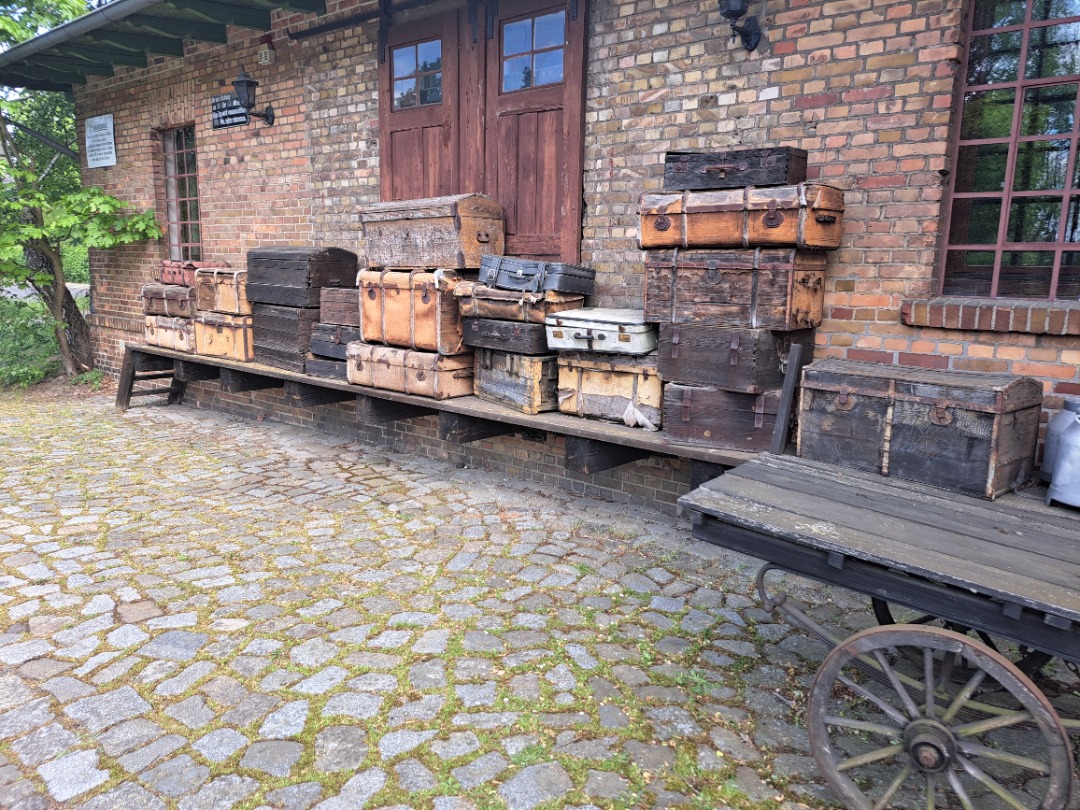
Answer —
462 429
304 395
191 372
590 456
376 411
236 382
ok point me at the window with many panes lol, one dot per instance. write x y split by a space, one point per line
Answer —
533 51
417 74
182 195
1014 223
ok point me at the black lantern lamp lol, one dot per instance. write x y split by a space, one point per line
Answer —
750 31
245 86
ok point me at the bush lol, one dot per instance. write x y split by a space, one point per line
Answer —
28 350
76 263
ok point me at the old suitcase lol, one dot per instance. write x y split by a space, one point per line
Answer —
476 300
969 431
736 168
596 329
169 333
508 336
330 340
282 335
340 305
220 290
170 300
806 215
447 232
218 334
705 416
183 272
613 388
761 289
330 369
732 358
425 374
414 309
525 275
293 276
525 383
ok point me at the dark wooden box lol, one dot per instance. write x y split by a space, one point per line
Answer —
329 339
340 305
293 277
733 358
779 289
282 335
506 336
966 431
768 166
705 416
330 369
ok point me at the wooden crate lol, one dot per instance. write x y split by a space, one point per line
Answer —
331 340
615 388
414 310
329 369
736 168
222 290
730 357
282 335
705 416
526 383
340 305
293 277
222 335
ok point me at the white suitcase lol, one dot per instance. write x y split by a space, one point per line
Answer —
592 329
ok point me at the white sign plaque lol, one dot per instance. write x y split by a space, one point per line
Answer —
100 144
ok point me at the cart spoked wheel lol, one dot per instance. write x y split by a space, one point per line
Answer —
887 734
1026 659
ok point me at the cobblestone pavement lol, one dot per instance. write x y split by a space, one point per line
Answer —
200 612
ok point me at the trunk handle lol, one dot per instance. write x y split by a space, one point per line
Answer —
733 351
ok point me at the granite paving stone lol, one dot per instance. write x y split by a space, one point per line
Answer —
275 758
340 748
72 775
220 744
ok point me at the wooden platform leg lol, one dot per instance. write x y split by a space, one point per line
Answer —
127 380
592 456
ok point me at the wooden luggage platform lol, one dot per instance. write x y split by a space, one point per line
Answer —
591 446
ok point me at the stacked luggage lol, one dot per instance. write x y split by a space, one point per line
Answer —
339 324
223 325
728 317
170 306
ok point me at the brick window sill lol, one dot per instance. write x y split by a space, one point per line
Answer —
993 315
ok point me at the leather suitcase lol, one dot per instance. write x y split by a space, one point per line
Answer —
330 340
183 272
293 277
806 215
170 300
413 309
525 275
760 289
528 384
507 336
704 416
614 388
330 369
282 335
733 358
476 300
737 168
447 232
169 333
218 334
424 374
596 329
222 290
340 305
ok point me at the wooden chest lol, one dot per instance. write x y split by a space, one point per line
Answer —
507 336
806 215
706 416
760 289
959 430
219 334
447 232
425 374
293 277
600 329
170 300
737 168
413 309
476 300
220 290
733 358
282 335
324 367
169 333
525 383
331 340
615 388
340 305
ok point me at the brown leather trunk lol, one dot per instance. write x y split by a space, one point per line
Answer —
219 290
340 305
169 333
183 272
424 374
710 417
525 383
477 300
616 388
413 309
219 334
170 300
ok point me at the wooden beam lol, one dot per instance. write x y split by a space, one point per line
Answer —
787 400
592 456
461 429
304 395
316 6
379 411
173 26
236 382
94 68
189 371
42 77
702 471
210 11
137 43
150 362
91 54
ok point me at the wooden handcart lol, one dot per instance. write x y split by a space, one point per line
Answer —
942 712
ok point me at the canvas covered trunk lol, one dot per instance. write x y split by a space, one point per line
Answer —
219 334
806 215
706 416
729 357
476 300
424 374
760 289
615 388
294 277
737 168
282 335
437 232
599 329
170 300
412 309
331 340
340 305
527 275
219 290
969 431
507 336
525 383
169 333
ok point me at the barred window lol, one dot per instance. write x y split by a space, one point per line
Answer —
182 195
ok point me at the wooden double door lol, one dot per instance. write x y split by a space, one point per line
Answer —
490 99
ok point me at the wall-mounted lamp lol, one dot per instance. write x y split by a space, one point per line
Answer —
245 86
750 31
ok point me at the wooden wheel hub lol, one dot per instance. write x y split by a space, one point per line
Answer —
930 745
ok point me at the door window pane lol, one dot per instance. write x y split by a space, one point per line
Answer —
550 31
533 52
1025 274
1034 219
1049 110
987 114
405 94
429 55
417 74
994 59
404 61
517 37
975 222
517 73
549 67
982 167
